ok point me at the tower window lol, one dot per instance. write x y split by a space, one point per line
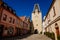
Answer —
36 24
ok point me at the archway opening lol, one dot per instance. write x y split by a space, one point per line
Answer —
36 31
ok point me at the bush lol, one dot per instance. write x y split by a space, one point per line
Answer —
41 32
58 37
51 35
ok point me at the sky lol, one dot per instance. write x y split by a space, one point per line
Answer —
25 7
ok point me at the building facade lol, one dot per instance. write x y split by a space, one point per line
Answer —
8 20
43 25
37 18
52 19
10 23
26 24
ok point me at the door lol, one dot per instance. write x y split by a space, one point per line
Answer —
57 30
1 29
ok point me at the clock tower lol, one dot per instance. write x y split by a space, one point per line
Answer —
37 18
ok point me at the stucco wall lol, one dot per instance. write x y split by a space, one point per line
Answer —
37 21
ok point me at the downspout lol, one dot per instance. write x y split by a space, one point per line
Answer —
1 10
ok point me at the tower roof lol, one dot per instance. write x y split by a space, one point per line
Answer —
36 6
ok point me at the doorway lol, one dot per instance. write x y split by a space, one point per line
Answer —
57 29
36 31
1 29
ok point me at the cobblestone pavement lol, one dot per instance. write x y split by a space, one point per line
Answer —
36 37
29 37
15 37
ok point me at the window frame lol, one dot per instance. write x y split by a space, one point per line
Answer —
4 17
54 11
10 19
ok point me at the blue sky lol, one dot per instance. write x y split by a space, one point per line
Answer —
25 7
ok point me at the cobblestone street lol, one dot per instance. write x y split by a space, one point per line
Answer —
29 37
37 37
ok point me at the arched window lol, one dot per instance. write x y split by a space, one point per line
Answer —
57 28
54 11
56 24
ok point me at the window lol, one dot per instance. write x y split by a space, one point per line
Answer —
48 18
5 5
56 25
4 17
36 16
21 23
10 9
10 19
13 21
36 24
25 19
10 30
16 21
54 12
5 28
14 12
24 24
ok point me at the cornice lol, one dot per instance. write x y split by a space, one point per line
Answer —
57 19
53 1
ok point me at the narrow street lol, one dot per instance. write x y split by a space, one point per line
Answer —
29 19
29 37
36 37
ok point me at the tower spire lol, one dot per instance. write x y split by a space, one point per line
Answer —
36 7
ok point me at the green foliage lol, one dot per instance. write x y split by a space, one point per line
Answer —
41 32
51 35
58 37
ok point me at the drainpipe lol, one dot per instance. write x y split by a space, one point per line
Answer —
1 10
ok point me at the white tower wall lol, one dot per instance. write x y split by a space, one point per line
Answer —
37 18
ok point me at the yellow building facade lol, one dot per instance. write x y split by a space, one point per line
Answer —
52 19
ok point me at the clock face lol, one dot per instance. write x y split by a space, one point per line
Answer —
36 16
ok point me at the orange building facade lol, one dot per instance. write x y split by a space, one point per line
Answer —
10 23
26 24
